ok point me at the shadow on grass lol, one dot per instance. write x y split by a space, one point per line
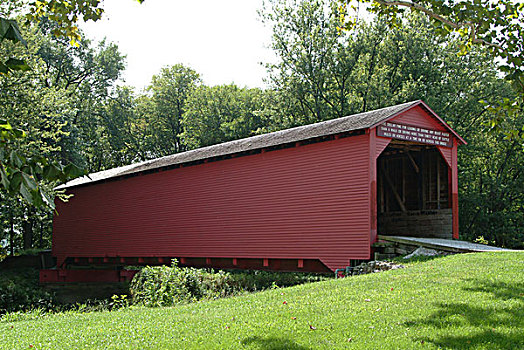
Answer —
499 290
485 324
273 343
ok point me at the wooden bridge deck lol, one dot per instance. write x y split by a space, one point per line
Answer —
441 244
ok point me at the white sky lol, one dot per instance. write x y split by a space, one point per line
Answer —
224 40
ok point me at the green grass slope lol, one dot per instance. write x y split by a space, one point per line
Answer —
470 301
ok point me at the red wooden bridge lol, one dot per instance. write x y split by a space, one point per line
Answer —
311 198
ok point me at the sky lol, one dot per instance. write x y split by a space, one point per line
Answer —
224 41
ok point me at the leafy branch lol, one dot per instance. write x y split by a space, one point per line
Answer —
9 31
20 173
497 25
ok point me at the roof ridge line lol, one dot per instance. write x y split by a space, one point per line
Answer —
359 121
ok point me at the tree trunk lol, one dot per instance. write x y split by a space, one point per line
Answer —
41 239
12 235
27 229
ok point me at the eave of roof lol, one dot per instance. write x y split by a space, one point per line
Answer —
354 122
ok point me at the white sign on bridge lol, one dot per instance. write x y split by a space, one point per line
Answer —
415 134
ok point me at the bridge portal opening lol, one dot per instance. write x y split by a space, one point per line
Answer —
413 191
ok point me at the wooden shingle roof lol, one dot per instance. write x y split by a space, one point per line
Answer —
330 127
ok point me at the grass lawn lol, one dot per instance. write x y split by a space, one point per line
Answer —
469 301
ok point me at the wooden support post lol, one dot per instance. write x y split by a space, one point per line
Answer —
403 174
235 262
394 190
454 190
208 261
413 162
380 163
388 208
450 184
182 260
430 197
421 188
373 185
300 264
438 182
266 262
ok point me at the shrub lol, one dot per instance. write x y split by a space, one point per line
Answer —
19 290
219 285
167 286
118 302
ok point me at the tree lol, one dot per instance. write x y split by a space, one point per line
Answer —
21 168
327 73
55 103
20 173
65 13
87 74
491 186
496 25
126 127
169 91
222 113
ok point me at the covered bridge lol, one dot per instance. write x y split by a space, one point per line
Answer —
310 198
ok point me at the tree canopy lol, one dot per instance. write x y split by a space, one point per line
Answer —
496 25
43 117
22 170
61 104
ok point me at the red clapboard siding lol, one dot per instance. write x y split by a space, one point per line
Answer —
447 154
381 144
307 202
419 117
